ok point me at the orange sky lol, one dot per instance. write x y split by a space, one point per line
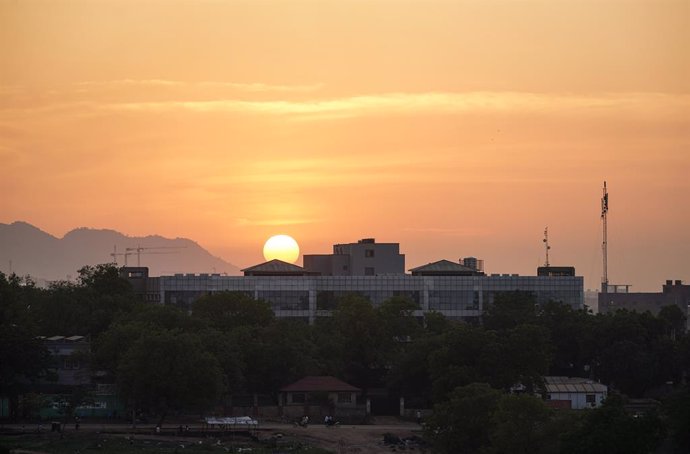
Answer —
453 127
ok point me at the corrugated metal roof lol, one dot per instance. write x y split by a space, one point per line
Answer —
589 388
573 385
62 338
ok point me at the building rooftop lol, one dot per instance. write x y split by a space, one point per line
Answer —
573 385
319 383
444 267
274 267
62 338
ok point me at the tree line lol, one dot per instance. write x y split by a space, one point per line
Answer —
165 360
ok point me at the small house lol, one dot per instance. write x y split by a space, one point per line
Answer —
574 392
318 396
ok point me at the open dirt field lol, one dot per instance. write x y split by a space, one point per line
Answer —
365 439
359 439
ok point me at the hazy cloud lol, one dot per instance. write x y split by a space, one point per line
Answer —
248 87
244 222
434 102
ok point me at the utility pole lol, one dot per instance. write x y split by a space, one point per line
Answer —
546 245
604 244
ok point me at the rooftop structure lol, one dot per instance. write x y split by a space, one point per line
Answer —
673 293
445 268
574 392
363 258
275 267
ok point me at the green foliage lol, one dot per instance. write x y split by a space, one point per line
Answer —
168 370
354 339
85 308
228 310
166 359
611 429
463 423
276 355
397 319
675 321
521 425
510 309
677 412
22 356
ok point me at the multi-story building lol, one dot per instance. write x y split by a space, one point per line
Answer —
363 258
620 297
456 290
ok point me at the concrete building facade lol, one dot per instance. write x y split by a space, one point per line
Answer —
672 293
376 271
309 297
363 258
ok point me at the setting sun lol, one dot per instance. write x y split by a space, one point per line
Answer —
281 247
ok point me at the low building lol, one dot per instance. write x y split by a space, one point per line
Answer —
320 396
69 356
573 392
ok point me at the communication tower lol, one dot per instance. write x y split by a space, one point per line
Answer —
604 243
546 245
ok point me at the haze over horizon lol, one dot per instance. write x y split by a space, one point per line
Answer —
456 128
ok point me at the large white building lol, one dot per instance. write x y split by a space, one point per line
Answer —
456 290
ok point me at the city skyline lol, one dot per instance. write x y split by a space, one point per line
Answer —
456 128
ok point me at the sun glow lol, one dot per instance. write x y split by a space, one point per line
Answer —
281 247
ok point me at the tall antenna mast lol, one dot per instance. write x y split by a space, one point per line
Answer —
604 244
546 245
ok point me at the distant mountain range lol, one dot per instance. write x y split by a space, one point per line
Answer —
28 250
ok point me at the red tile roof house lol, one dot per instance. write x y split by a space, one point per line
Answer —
318 396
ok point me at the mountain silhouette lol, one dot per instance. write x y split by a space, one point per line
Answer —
28 250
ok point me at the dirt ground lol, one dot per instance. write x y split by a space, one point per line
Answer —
365 439
345 439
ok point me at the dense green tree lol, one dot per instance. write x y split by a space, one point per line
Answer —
463 422
435 323
23 357
464 355
165 371
87 307
510 309
521 425
229 355
675 321
571 335
228 310
104 279
109 347
611 429
398 320
352 345
276 355
677 410
525 356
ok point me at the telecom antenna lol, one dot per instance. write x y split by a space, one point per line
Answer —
546 245
604 244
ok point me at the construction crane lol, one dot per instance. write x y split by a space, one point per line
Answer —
149 250
116 254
